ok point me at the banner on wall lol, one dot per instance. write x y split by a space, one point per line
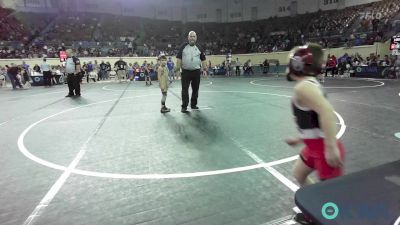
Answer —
37 79
370 71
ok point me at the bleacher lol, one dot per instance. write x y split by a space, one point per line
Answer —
94 34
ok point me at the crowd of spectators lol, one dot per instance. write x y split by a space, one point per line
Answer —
10 28
92 34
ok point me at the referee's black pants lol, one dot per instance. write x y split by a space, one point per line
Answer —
74 84
190 77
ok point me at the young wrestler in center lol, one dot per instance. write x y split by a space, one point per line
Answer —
162 74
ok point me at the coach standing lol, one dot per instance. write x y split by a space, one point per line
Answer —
121 69
73 71
45 68
191 59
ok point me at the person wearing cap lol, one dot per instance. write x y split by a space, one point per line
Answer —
315 119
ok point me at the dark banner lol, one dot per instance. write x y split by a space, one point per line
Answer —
141 77
38 80
371 71
258 69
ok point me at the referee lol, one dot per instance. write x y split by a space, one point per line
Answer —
73 71
191 59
